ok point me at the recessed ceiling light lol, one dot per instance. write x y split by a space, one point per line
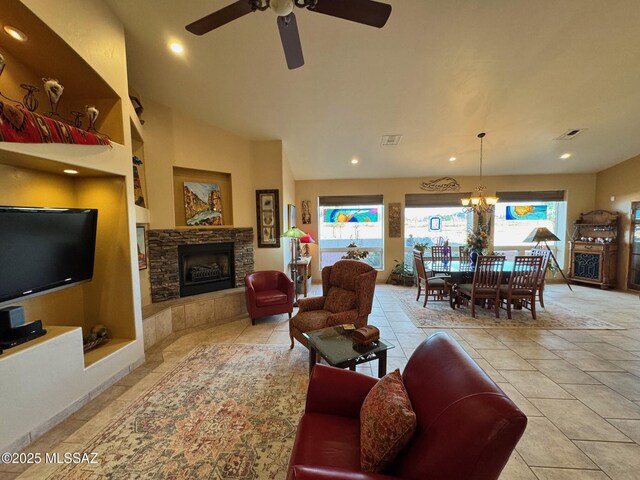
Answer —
16 33
564 156
176 48
354 160
452 159
70 171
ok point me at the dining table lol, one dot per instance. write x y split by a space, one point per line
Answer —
458 272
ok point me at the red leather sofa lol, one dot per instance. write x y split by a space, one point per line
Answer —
467 427
268 292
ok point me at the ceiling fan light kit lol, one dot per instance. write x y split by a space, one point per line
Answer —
366 12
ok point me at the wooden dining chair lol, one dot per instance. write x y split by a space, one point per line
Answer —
545 253
440 254
437 287
485 284
523 284
464 254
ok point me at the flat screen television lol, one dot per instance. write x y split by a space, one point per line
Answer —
43 249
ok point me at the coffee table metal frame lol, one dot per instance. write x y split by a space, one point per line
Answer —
334 344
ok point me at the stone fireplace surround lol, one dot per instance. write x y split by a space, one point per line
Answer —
163 255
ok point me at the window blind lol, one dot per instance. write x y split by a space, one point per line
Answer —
345 200
539 196
435 199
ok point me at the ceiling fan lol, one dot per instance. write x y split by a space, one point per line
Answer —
367 12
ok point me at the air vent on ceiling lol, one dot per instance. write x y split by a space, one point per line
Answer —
390 140
570 134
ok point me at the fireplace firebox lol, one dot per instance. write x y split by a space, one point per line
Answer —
205 268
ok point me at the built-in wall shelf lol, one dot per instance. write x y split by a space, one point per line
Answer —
94 160
203 227
45 54
53 332
213 181
143 215
105 350
44 379
136 127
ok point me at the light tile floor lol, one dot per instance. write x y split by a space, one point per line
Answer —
579 388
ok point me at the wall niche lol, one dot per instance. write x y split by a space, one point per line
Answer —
202 198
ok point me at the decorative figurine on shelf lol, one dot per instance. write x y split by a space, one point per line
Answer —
54 90
138 193
29 100
99 335
92 114
77 118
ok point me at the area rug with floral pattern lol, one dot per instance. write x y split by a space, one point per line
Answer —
440 315
224 412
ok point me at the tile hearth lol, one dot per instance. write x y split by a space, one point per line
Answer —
580 389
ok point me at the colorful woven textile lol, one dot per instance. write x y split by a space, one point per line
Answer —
22 126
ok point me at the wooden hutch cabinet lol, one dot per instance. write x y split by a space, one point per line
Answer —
594 249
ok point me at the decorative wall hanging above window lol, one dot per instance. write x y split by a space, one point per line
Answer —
444 184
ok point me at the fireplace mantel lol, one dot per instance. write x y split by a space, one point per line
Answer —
163 255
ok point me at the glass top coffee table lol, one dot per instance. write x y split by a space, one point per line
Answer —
334 344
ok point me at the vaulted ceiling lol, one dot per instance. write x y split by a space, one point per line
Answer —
438 73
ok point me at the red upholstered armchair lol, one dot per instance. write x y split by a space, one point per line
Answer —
347 297
466 426
268 293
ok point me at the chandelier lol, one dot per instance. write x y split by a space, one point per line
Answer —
478 203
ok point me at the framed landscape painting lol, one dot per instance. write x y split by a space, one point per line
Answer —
268 218
202 203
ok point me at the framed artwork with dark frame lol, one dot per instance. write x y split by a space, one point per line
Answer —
141 240
306 212
268 218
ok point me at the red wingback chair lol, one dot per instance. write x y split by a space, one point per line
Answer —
268 292
347 296
466 426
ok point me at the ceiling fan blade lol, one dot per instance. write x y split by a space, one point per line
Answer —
291 41
367 12
221 17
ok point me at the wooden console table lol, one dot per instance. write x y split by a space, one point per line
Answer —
303 265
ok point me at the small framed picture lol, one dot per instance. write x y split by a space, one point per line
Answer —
268 218
306 212
141 237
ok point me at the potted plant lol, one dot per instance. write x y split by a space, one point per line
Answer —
354 253
401 274
421 246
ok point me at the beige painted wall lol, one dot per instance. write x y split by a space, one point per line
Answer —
288 197
175 139
623 182
580 195
267 174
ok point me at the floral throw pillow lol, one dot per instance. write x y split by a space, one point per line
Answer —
387 423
